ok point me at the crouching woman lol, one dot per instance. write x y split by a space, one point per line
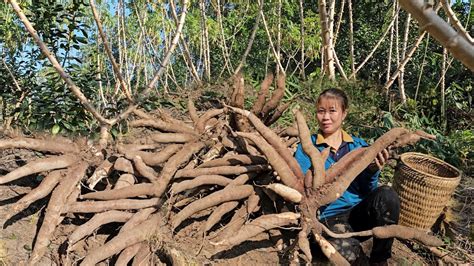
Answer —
363 205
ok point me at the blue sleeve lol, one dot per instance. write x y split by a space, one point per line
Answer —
371 177
302 159
372 180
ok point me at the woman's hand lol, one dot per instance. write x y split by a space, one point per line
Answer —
379 162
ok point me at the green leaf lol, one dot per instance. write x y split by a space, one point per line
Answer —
114 132
55 129
80 40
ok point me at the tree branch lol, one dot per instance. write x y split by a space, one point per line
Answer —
375 47
251 39
44 49
187 54
339 20
115 67
441 31
405 60
455 21
277 56
163 64
338 64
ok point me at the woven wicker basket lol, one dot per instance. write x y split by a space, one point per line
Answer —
425 185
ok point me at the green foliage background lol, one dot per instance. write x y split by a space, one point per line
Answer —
70 32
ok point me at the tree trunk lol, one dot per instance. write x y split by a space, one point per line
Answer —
421 68
45 50
389 59
278 44
339 20
272 47
205 40
302 61
251 40
397 44
455 21
225 54
327 41
187 54
351 37
401 81
444 122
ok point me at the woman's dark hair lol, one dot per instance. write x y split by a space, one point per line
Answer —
336 93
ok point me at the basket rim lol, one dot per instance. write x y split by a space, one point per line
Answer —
418 154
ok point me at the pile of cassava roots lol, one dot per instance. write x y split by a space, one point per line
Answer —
225 164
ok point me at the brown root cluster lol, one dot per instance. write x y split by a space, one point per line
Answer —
224 163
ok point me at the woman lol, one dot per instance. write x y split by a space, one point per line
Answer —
363 205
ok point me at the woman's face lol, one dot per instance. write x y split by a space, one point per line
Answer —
330 114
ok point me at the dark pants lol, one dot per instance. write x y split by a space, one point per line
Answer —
381 207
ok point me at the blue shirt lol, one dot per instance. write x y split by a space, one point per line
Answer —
362 185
